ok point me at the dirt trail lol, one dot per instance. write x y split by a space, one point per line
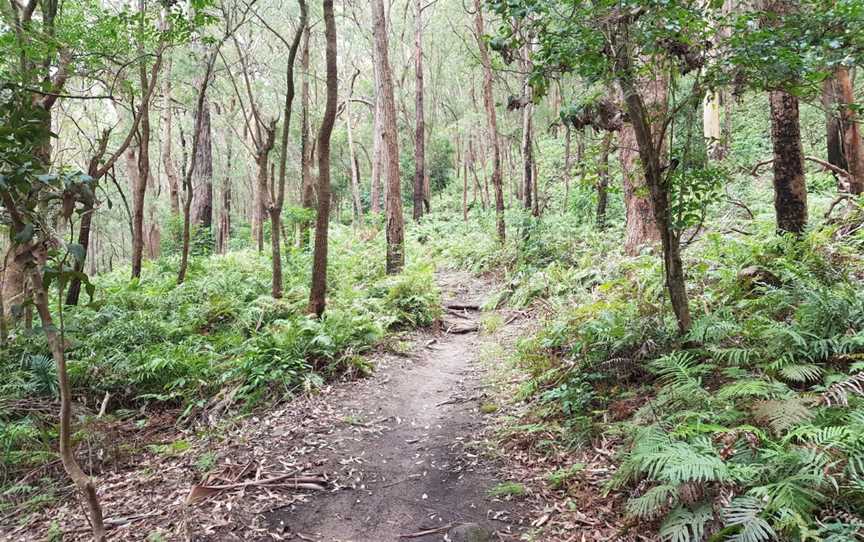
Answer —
420 471
401 452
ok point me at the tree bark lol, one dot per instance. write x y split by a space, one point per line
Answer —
167 122
641 226
853 152
491 121
318 292
139 191
650 145
603 179
833 125
279 196
224 235
188 191
711 124
527 158
790 188
14 282
307 191
67 454
395 228
354 166
202 212
567 166
377 151
419 124
140 188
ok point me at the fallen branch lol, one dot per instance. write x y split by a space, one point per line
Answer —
311 482
113 523
459 330
420 534
458 314
837 200
739 203
462 306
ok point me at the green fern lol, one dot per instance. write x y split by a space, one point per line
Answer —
780 415
801 372
686 525
743 513
680 462
799 493
751 387
654 501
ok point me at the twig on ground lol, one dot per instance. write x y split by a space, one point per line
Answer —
420 534
462 306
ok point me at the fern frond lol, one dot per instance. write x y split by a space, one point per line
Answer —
747 388
838 393
685 524
732 356
650 504
744 513
782 414
801 372
680 462
798 493
679 369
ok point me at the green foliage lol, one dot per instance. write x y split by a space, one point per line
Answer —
749 427
507 490
150 343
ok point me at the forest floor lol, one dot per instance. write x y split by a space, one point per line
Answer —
401 455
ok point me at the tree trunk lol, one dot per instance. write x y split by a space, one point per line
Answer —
318 292
354 166
188 191
377 154
603 179
154 236
4 325
223 235
427 191
568 166
202 211
711 125
14 282
650 147
465 187
84 229
535 209
167 122
527 158
140 189
307 191
419 125
790 188
67 454
138 167
395 228
641 227
262 196
279 196
185 237
833 125
491 120
852 147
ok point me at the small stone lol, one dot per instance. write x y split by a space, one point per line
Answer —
470 532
